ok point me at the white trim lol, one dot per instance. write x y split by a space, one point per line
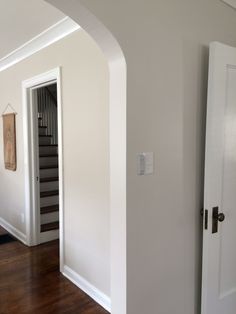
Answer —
32 236
54 33
60 168
12 230
232 3
88 288
118 154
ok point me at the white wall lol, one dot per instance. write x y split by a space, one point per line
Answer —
166 48
86 152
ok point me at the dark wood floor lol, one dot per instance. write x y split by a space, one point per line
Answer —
2 231
30 282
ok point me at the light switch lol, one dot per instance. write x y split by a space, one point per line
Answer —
145 163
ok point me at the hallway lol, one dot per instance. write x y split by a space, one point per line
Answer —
30 282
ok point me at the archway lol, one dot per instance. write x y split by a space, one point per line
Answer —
117 106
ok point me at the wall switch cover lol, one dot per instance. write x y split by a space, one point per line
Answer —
145 163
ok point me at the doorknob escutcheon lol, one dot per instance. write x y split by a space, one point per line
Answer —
216 217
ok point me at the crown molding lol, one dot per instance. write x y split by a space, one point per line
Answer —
232 3
51 35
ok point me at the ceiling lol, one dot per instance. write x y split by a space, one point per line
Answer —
21 20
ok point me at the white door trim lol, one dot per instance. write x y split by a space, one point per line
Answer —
27 86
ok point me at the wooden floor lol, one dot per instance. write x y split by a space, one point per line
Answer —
30 282
2 231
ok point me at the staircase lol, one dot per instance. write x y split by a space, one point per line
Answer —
49 185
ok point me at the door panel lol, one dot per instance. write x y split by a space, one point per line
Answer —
228 229
219 249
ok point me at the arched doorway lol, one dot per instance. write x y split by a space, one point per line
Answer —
117 108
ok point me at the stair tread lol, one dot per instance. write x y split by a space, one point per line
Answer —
49 209
50 226
49 179
48 145
48 155
45 135
49 193
49 167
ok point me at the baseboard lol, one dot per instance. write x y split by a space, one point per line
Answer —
13 231
88 288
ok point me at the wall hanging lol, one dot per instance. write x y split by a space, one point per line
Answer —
9 138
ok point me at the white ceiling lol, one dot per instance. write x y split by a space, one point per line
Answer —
21 20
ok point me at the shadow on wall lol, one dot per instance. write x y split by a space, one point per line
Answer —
195 68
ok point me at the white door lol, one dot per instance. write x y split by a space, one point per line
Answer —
219 235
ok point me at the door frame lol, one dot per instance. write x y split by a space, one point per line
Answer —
30 162
221 60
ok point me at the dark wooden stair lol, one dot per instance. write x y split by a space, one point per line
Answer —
49 167
49 213
50 226
50 179
48 155
45 135
49 209
48 145
49 193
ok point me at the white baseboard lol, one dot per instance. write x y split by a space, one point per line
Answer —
12 230
88 288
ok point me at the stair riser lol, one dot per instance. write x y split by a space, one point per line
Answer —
49 186
42 131
47 173
49 236
51 217
48 161
48 150
45 140
49 200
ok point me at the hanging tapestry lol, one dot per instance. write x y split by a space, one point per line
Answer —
9 138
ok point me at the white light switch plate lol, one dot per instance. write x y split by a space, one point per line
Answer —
145 163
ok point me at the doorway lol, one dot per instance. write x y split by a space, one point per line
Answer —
43 159
47 155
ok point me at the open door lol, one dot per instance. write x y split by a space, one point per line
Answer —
219 226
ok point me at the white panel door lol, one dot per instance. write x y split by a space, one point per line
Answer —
219 226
